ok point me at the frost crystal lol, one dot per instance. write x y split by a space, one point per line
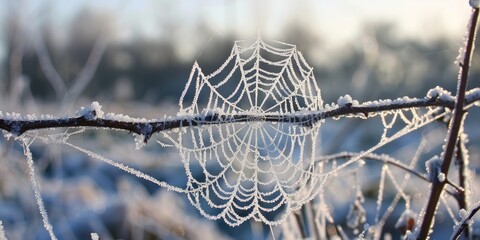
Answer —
94 236
2 232
139 141
344 101
91 113
434 166
440 93
441 177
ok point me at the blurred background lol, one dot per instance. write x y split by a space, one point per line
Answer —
135 58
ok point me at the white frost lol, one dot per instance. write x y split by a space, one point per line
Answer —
139 141
94 236
463 213
2 232
440 93
344 101
91 113
434 166
441 177
36 190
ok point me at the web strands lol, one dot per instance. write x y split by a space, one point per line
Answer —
255 169
256 77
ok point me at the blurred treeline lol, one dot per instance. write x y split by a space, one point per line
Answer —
378 64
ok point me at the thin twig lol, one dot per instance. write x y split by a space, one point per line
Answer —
465 223
462 197
18 126
454 129
390 161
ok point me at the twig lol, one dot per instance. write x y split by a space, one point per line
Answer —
20 125
462 198
454 129
465 223
390 161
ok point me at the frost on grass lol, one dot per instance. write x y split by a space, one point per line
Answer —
36 188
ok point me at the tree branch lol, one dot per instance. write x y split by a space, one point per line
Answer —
454 129
19 124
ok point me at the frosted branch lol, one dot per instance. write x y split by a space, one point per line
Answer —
466 222
17 124
454 127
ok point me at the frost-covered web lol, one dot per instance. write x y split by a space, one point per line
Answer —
254 169
260 169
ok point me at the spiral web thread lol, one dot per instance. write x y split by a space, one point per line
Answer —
254 169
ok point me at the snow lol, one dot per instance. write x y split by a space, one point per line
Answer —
473 94
434 166
463 213
91 113
210 112
94 236
125 118
441 177
2 232
440 93
344 101
139 141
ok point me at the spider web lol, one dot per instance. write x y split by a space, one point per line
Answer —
255 169
258 169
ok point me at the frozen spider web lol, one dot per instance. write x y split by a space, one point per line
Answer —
253 169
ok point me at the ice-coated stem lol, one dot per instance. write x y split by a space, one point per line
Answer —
454 128
20 125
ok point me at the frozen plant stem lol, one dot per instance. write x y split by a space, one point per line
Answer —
454 128
18 126
464 224
462 178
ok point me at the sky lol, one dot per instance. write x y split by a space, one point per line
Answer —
336 22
